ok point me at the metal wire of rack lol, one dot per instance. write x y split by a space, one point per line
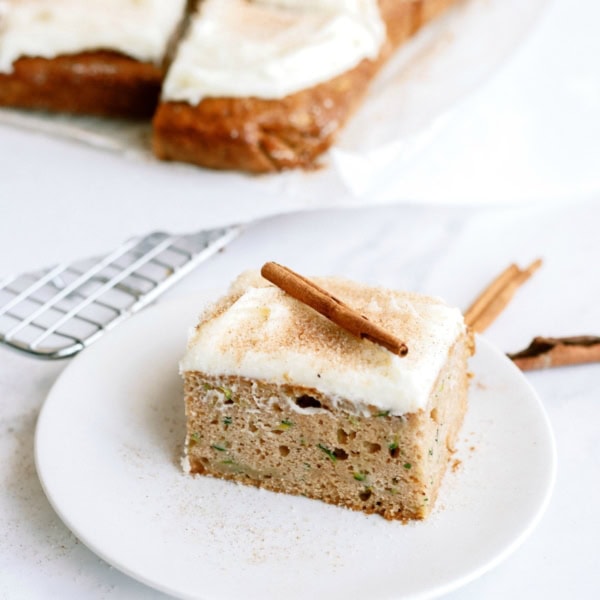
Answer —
59 311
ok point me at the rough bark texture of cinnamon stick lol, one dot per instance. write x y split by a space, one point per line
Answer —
492 301
489 293
329 306
546 352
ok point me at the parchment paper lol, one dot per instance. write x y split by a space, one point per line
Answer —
445 61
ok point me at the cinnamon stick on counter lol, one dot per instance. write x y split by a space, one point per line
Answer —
543 352
546 352
492 301
329 306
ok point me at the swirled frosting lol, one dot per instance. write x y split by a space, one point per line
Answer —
271 48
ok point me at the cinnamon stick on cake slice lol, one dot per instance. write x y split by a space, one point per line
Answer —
101 57
280 397
266 85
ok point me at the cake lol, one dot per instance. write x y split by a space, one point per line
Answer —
277 396
98 57
249 85
266 85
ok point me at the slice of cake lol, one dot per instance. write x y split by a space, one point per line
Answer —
266 85
278 396
103 57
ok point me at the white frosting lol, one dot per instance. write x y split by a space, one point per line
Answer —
48 28
271 48
259 332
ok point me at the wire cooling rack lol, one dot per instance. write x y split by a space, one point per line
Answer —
56 312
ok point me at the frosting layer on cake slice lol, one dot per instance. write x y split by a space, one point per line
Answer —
258 332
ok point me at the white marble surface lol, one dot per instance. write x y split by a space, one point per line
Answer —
529 135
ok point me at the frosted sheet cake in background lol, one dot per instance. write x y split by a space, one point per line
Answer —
255 85
279 397
266 85
100 57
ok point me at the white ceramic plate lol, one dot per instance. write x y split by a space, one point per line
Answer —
108 444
